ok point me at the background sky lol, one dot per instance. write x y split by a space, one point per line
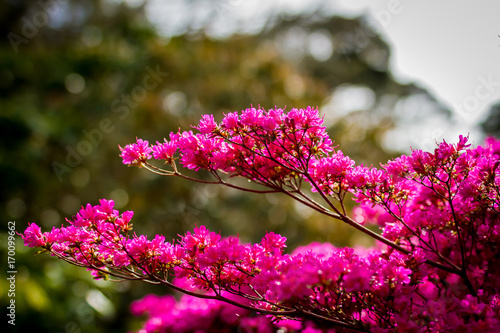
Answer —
449 47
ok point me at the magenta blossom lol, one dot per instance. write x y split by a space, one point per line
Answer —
33 236
164 151
136 153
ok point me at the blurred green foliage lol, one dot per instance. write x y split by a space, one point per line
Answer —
97 75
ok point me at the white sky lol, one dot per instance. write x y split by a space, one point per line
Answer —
450 47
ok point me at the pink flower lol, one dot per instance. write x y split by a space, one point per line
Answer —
444 151
207 124
357 278
124 219
251 116
330 173
421 161
164 151
85 217
272 242
33 236
201 238
462 142
398 167
106 208
136 153
402 275
141 248
230 121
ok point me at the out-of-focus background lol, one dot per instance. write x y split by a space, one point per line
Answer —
78 78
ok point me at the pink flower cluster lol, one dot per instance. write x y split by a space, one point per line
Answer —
436 267
194 314
265 146
306 285
137 153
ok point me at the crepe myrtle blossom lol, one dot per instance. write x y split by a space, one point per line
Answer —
435 267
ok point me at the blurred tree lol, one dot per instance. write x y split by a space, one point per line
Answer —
491 125
79 78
